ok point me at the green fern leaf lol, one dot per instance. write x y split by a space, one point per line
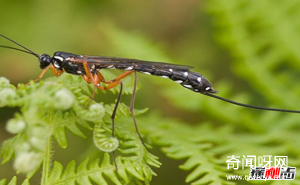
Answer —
13 181
180 142
96 172
265 58
45 118
2 181
56 171
7 152
60 136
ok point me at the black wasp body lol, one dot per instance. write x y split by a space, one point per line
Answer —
74 64
89 68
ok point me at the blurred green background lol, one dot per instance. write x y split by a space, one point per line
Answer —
180 31
248 50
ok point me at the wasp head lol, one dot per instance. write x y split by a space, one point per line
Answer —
45 61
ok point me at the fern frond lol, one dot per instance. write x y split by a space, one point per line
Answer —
13 181
45 111
240 131
49 108
130 146
129 172
264 47
261 44
180 142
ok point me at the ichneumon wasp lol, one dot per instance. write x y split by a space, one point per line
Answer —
89 68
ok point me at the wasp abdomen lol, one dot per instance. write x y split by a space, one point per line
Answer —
188 79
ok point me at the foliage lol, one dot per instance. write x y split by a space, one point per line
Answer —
51 107
263 39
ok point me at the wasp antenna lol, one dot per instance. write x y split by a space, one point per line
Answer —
28 50
250 106
2 46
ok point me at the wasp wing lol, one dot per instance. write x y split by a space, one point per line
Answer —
128 64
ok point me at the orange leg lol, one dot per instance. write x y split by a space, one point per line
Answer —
87 79
87 70
54 71
100 77
97 78
116 81
42 74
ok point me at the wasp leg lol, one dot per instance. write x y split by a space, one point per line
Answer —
114 82
87 70
42 74
96 78
99 78
132 113
54 71
113 115
89 78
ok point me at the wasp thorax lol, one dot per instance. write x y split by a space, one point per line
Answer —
45 61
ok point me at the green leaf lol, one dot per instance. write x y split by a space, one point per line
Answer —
7 152
262 39
95 172
13 181
60 137
2 181
45 119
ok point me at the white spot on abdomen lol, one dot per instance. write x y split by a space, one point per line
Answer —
110 67
164 76
188 86
178 81
147 73
128 68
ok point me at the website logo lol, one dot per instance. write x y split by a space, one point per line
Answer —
263 167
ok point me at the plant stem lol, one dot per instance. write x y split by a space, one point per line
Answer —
46 163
